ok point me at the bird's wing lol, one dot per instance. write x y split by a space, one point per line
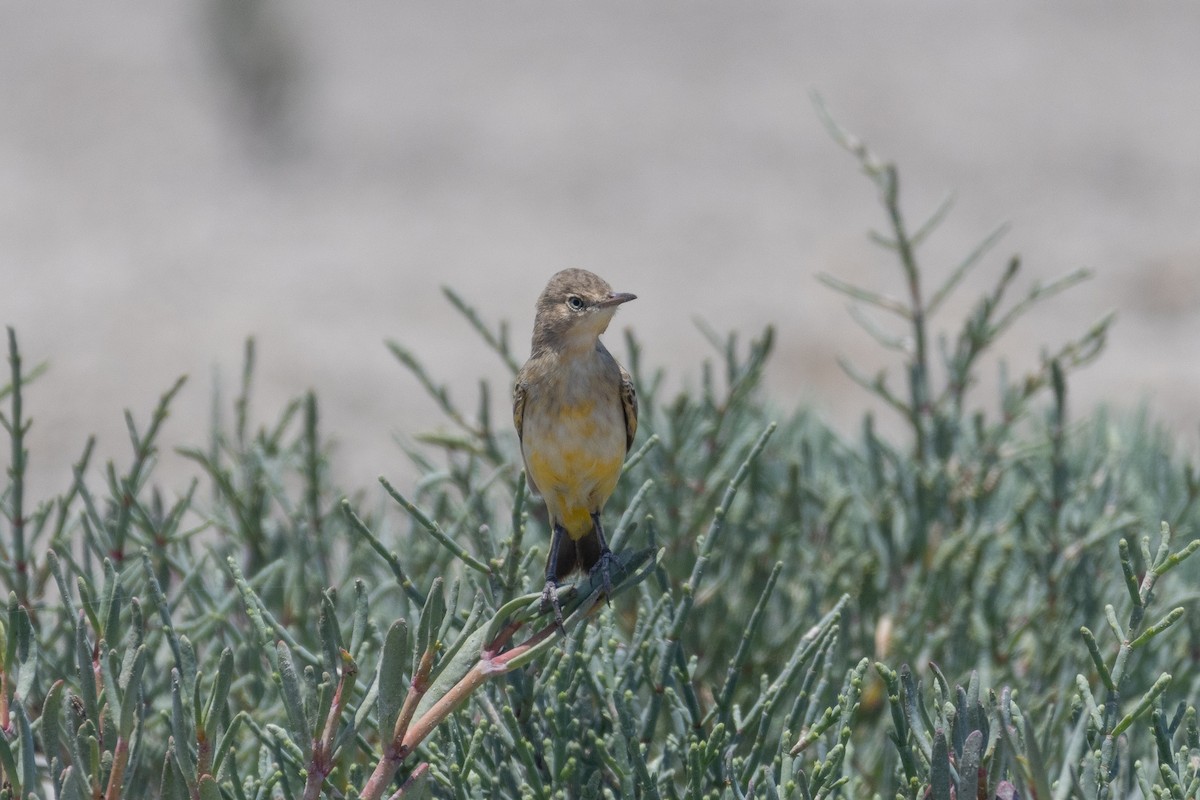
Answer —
519 407
629 405
518 421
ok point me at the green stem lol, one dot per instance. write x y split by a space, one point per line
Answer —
435 530
16 431
919 371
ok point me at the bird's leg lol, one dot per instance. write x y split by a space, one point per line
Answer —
550 592
604 563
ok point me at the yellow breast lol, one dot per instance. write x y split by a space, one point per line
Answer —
574 456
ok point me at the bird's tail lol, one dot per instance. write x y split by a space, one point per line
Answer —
581 553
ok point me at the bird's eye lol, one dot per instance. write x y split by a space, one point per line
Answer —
575 302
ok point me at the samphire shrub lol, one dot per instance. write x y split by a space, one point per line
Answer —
985 606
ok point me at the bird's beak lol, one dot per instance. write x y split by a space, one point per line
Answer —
615 299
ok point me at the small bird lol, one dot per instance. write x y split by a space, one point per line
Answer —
576 415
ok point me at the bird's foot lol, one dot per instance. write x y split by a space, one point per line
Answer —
550 599
604 564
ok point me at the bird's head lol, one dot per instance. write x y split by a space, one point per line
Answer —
574 309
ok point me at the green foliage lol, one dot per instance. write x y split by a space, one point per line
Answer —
264 634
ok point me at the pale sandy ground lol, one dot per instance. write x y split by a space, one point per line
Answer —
312 173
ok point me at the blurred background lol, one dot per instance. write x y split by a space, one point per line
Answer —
177 176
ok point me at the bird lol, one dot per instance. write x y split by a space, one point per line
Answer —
576 414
